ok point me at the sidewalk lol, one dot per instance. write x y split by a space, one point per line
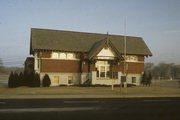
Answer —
86 92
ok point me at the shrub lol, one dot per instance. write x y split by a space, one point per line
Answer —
46 81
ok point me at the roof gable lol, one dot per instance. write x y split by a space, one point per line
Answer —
106 52
103 44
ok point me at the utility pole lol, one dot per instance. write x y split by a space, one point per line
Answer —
125 53
125 67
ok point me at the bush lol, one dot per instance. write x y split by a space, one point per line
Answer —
46 81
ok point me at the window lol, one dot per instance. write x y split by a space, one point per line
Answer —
115 75
55 55
131 58
70 79
56 80
70 56
133 79
123 79
62 55
103 69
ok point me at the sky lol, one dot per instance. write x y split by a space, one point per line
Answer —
156 21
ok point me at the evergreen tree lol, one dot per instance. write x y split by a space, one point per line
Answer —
11 80
35 80
31 80
16 80
46 81
25 79
21 81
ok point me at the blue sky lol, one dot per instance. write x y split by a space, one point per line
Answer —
157 21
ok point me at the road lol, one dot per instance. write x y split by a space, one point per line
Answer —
91 109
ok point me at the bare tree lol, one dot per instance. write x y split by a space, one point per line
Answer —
162 70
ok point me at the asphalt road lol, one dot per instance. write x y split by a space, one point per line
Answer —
90 109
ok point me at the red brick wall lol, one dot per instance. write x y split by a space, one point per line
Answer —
73 66
85 67
115 68
133 68
92 67
66 66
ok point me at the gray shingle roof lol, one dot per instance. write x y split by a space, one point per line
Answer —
44 39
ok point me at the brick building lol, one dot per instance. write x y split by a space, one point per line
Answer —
73 58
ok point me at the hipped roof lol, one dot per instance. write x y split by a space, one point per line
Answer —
59 40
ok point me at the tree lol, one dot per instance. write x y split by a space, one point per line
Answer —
36 80
16 80
144 79
25 79
149 67
21 81
162 70
11 80
149 78
31 79
46 81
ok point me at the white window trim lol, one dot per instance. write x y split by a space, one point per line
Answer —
131 58
98 65
65 57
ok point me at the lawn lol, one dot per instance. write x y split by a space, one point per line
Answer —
154 90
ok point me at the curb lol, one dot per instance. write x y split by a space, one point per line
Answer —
82 96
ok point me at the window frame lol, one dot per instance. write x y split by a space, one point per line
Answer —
103 67
134 79
70 80
63 56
